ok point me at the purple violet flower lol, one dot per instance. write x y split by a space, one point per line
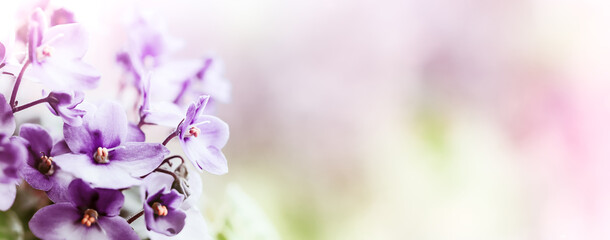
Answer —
162 211
64 105
202 137
12 157
195 226
91 213
101 153
41 172
55 55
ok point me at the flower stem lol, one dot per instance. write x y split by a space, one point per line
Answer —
39 101
138 215
175 133
168 160
18 82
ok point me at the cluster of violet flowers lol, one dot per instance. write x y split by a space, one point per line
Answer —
102 154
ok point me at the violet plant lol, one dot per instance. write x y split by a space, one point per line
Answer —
78 182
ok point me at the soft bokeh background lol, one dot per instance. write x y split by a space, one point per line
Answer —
416 119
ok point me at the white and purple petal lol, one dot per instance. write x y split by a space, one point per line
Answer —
100 175
204 150
138 158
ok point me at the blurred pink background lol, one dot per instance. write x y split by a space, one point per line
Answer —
407 119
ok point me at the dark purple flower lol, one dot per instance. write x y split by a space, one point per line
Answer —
101 153
62 16
12 157
64 105
91 213
41 172
202 138
162 211
56 55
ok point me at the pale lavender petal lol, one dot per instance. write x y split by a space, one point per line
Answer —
69 40
8 192
193 112
138 158
135 134
7 121
59 148
156 182
110 124
117 228
59 191
59 74
214 131
209 158
204 150
78 139
164 114
100 175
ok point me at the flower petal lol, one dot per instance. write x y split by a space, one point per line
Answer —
156 182
36 179
214 131
117 228
8 192
135 134
62 221
40 142
109 125
107 202
138 158
204 150
65 107
210 158
59 191
65 74
7 121
69 40
195 227
78 139
168 225
59 148
100 175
